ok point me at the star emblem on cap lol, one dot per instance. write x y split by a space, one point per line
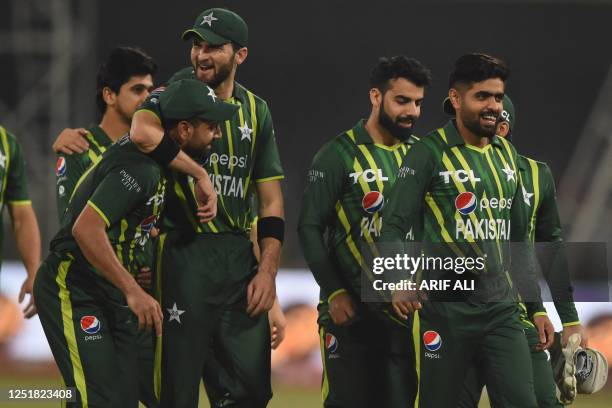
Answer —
212 94
208 19
509 173
245 131
2 160
526 196
175 313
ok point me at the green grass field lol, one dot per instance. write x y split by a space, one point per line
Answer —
284 397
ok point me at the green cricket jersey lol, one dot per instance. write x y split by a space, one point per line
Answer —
126 189
461 201
70 167
545 225
345 193
246 153
13 181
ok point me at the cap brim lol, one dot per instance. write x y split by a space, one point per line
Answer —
220 113
205 35
447 107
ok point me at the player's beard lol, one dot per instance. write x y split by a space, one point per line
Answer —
474 126
393 126
222 72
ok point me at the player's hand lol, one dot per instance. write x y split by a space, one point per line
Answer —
569 330
147 310
261 293
207 199
342 309
144 277
546 331
27 288
71 141
277 321
154 233
405 302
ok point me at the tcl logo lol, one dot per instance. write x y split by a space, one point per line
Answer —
368 176
459 175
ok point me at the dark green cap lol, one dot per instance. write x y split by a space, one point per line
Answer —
185 73
507 113
218 26
190 98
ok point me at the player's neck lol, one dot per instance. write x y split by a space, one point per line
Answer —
226 88
378 133
470 137
113 125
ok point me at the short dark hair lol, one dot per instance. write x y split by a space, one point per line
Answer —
398 66
477 67
122 64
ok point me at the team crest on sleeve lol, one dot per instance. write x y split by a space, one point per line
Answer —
373 202
90 324
466 202
60 166
432 340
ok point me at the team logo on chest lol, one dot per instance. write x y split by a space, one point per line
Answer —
466 203
373 202
245 132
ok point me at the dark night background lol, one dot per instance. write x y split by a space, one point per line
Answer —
311 60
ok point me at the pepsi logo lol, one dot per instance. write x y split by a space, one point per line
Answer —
60 166
148 223
90 324
432 340
331 343
466 202
373 202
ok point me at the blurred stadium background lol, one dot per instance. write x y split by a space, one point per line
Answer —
310 61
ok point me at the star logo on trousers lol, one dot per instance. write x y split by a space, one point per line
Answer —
175 314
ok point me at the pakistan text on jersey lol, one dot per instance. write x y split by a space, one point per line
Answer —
228 186
483 229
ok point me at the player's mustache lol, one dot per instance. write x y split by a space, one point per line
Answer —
490 112
408 119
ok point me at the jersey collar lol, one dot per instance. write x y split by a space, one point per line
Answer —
240 93
453 138
100 136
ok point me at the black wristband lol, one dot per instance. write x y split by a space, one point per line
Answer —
165 151
270 227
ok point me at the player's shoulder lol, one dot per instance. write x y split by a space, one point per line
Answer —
11 139
246 95
125 154
525 161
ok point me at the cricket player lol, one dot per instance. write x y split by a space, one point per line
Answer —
544 226
459 193
14 195
93 306
124 80
366 360
212 290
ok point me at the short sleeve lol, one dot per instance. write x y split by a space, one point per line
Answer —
123 189
267 159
